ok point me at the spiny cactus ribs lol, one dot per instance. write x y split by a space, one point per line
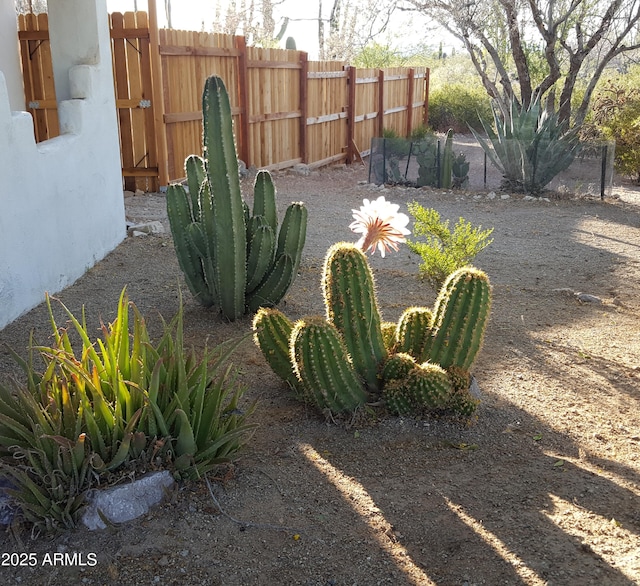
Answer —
231 258
417 366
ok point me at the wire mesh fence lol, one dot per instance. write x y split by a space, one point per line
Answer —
399 161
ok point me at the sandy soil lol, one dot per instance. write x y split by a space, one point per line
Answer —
542 488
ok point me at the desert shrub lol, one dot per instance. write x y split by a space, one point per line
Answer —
458 106
616 116
118 406
443 250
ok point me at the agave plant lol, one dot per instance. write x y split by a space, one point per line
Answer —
111 408
529 146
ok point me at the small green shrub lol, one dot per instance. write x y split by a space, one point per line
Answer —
459 107
118 406
444 251
616 115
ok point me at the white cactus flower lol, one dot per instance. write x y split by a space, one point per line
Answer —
380 226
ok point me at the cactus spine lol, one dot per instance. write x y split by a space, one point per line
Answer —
460 317
352 308
231 258
323 367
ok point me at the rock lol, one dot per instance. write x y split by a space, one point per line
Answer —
491 195
242 169
139 192
586 298
7 506
505 196
145 228
125 502
301 170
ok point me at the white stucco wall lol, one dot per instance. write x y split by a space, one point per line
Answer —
10 54
61 202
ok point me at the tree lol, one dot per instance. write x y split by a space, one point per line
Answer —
256 22
530 49
352 26
343 31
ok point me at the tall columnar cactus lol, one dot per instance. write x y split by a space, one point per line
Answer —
459 319
231 257
352 308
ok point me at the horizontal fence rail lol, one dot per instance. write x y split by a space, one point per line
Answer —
286 109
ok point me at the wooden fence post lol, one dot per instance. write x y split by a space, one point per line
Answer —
241 45
412 73
157 96
380 102
351 113
426 97
304 104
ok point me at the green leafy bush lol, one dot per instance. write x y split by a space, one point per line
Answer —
118 406
444 251
458 106
616 115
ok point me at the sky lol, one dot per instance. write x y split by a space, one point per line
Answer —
190 15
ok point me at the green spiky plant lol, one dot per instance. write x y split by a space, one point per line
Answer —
118 404
401 365
529 146
232 258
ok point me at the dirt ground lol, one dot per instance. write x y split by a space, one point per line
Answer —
543 487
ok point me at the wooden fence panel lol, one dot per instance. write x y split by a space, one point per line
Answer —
327 101
274 107
39 88
188 58
285 108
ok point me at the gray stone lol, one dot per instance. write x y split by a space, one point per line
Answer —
302 170
126 502
145 228
586 298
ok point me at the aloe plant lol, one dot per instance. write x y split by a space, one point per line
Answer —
231 258
529 146
117 403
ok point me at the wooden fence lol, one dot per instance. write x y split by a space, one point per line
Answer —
286 109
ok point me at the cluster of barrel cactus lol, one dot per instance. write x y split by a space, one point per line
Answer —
352 357
231 257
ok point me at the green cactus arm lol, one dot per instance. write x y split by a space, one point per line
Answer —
351 306
272 332
429 386
322 365
224 219
194 167
264 199
413 330
260 257
447 161
293 234
189 259
274 286
398 399
397 366
461 313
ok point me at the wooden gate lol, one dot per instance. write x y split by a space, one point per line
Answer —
132 85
